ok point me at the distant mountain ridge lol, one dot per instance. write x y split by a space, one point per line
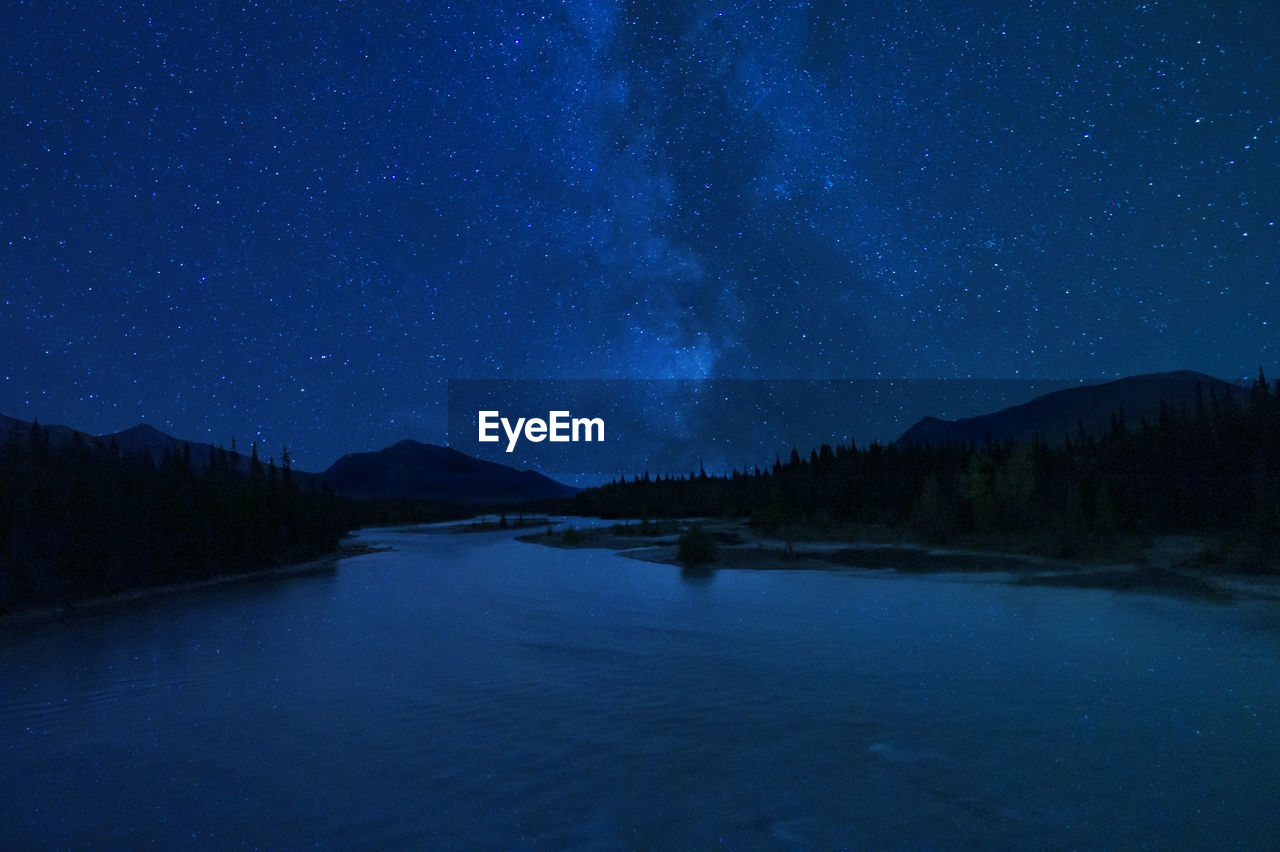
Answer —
407 469
431 472
410 469
57 433
142 438
1056 416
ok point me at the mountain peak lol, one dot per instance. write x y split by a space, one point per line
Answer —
415 470
142 430
1054 416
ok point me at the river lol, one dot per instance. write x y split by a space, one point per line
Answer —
473 691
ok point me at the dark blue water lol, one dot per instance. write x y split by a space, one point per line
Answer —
473 691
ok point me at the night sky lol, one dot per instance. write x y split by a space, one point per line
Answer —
293 222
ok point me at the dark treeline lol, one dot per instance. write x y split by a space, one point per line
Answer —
80 519
1213 467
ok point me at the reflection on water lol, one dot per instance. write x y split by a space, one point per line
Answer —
472 690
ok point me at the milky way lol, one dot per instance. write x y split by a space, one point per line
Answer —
295 222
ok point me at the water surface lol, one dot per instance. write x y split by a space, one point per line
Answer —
475 691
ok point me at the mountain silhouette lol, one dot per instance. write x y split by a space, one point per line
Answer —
430 472
57 434
145 439
1056 416
408 469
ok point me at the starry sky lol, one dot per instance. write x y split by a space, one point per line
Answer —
295 222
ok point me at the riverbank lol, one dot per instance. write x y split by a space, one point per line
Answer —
1188 566
321 564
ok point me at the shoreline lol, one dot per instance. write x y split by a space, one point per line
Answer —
1170 565
318 565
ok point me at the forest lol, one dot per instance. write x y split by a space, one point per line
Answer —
1209 468
81 519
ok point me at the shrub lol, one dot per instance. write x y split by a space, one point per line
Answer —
696 546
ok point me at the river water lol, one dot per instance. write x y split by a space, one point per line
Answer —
472 691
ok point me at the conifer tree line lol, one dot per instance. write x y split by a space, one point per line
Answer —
81 519
1211 467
